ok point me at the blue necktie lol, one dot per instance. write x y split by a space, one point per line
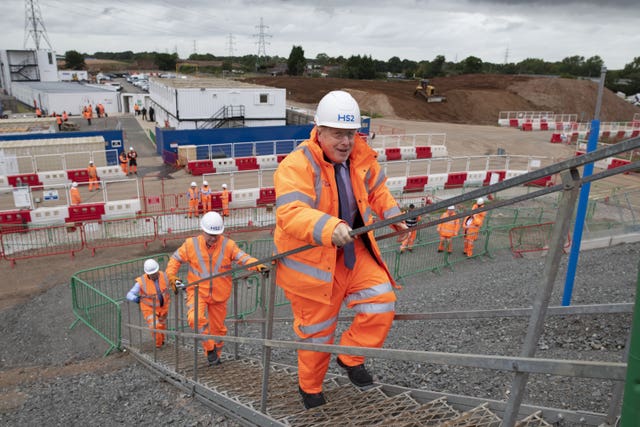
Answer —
159 293
348 249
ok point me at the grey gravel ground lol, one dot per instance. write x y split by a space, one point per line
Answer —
51 375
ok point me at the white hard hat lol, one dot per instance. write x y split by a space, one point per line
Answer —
224 185
74 184
130 148
451 207
90 162
151 266
205 183
193 184
211 223
338 109
480 201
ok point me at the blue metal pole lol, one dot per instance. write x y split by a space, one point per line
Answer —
592 145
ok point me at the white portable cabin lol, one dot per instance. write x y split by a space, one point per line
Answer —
192 103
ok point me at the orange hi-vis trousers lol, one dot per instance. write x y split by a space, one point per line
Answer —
366 290
161 320
211 315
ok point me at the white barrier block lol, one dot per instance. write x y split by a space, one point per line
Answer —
4 182
503 122
121 208
267 162
625 238
54 215
397 183
601 242
436 181
408 153
603 164
53 177
247 198
382 155
475 178
225 165
513 173
111 173
438 151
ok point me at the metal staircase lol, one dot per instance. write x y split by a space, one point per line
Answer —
228 116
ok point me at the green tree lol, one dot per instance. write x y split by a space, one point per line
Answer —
322 59
74 60
437 66
166 61
296 62
394 65
532 66
471 65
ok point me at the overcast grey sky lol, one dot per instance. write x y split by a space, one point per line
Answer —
491 30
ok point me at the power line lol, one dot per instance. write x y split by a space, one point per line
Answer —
34 24
230 39
261 39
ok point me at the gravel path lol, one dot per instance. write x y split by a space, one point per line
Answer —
52 375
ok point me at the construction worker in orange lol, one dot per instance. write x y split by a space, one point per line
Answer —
407 243
225 200
132 155
100 110
92 171
448 230
59 122
328 186
151 292
124 162
136 109
471 228
477 205
87 114
65 116
205 197
38 112
207 255
74 194
193 197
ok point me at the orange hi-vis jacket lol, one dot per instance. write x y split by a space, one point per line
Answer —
204 262
123 158
148 290
92 171
307 214
75 196
193 193
206 193
472 225
481 214
449 228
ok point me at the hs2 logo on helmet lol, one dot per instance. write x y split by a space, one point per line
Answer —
346 118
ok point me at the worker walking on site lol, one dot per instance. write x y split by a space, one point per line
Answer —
477 205
331 184
92 171
407 243
207 255
193 198
471 227
59 122
124 162
74 194
205 197
448 230
225 200
132 155
87 114
151 292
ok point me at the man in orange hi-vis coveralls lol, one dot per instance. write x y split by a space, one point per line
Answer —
209 254
225 200
331 184
124 162
152 285
92 171
448 230
205 196
193 197
74 192
471 226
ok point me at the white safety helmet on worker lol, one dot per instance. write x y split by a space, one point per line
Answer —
451 208
151 266
205 183
211 223
193 184
74 184
480 201
224 185
338 109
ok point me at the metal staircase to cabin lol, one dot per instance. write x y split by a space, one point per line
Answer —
229 116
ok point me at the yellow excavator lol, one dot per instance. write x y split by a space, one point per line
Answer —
428 92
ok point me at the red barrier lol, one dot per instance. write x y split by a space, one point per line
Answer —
580 153
85 212
78 175
544 126
556 138
267 196
621 134
455 180
281 157
415 183
574 137
393 153
30 179
514 123
635 133
247 163
605 135
200 167
559 126
545 181
423 152
14 220
617 163
527 126
487 178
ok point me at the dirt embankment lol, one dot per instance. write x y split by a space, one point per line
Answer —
471 99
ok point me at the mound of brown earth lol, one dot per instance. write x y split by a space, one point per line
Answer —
471 99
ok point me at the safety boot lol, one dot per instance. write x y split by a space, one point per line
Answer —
213 358
358 374
311 400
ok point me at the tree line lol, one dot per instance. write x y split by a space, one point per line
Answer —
365 67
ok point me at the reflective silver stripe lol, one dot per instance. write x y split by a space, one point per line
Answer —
317 229
294 196
318 327
223 247
307 270
241 254
367 177
391 212
367 215
380 181
204 327
375 308
371 292
176 256
316 170
319 340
